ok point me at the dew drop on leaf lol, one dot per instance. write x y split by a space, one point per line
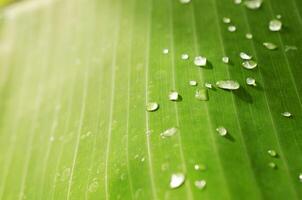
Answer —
200 61
226 20
250 81
272 153
270 46
177 180
278 16
225 59
232 28
286 114
228 84
249 64
221 131
275 25
249 36
169 132
184 1
202 94
245 56
200 184
152 106
237 1
208 85
253 4
200 167
300 177
173 96
165 51
272 165
184 56
193 83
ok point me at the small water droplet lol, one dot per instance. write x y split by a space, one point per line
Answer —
184 1
200 167
225 59
143 159
200 184
228 84
279 16
237 1
286 114
250 81
193 83
177 180
253 4
169 132
165 51
270 46
275 25
202 94
272 165
272 153
200 61
152 106
184 56
245 56
300 177
226 20
52 138
249 36
249 64
173 96
221 131
208 85
232 28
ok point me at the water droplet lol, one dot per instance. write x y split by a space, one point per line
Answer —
177 180
237 1
245 56
253 4
200 167
226 20
165 51
202 94
232 28
286 114
250 81
208 85
200 61
249 36
275 25
225 59
200 184
289 47
272 153
184 56
278 16
173 96
193 83
270 46
143 159
184 1
228 84
52 138
300 177
169 132
221 131
249 64
272 165
152 106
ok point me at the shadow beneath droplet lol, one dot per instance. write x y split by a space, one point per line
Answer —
230 137
209 65
179 98
244 95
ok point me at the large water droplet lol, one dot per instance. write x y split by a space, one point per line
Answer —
200 61
250 81
173 96
249 64
202 94
228 84
193 83
270 46
272 153
169 132
221 131
152 106
200 184
232 28
275 25
245 56
177 180
253 4
286 114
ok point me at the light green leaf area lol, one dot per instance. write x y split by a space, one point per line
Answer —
76 76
